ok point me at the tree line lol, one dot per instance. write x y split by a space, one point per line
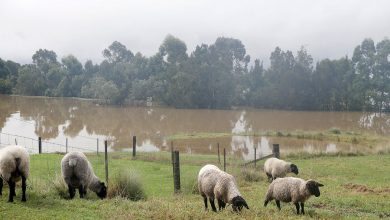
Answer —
219 75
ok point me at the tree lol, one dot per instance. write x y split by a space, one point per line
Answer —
30 81
174 50
72 65
117 52
44 58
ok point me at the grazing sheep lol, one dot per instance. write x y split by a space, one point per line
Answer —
275 168
291 189
14 165
215 183
78 173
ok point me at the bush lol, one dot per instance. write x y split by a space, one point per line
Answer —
127 184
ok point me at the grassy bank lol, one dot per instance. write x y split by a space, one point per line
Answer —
355 187
333 134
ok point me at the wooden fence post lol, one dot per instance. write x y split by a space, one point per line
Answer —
275 150
219 157
224 159
39 145
176 172
106 160
134 145
255 156
97 146
172 159
66 145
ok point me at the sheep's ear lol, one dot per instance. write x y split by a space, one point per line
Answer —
320 185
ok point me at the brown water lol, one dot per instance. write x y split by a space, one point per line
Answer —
82 122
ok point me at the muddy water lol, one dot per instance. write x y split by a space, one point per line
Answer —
85 125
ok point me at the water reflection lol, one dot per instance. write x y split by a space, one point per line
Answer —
83 122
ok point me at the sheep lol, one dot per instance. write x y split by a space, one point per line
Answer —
275 168
14 165
78 173
291 189
215 183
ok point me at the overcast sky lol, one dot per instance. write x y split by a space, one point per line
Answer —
327 28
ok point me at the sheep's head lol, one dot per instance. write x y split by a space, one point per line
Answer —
238 202
102 193
294 169
313 187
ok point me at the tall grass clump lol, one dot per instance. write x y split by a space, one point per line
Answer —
127 184
335 130
250 174
60 186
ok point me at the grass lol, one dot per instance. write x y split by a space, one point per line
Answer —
356 187
333 134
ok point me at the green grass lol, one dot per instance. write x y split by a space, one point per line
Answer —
333 134
355 187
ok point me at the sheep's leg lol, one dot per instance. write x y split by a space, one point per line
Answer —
266 202
297 206
221 204
85 190
72 191
1 186
81 191
302 208
11 191
205 203
213 204
278 204
24 186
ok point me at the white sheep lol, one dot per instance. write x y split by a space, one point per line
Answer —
78 173
14 165
214 183
291 189
275 168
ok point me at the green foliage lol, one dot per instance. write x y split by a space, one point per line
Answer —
218 75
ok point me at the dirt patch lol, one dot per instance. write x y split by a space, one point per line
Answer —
357 188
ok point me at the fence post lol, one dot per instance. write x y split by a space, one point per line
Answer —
134 145
172 154
219 157
176 172
97 146
275 150
16 142
106 160
255 156
224 159
66 145
39 145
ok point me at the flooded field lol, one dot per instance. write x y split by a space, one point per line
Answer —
84 125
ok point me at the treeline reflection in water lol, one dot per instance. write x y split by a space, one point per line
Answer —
82 122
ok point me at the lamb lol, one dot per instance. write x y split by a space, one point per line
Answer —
291 189
275 168
78 173
14 165
215 183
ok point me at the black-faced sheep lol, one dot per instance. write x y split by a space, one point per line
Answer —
214 183
276 168
78 173
14 165
291 189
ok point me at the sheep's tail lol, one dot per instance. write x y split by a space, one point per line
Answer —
72 162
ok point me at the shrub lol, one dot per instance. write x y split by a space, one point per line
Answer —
127 184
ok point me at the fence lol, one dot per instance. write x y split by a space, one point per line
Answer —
39 146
